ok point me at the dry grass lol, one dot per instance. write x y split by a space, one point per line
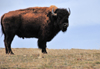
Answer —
55 59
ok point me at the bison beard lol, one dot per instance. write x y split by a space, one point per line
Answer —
39 22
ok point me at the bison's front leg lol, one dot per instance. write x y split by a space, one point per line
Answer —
42 45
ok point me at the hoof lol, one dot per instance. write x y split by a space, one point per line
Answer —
7 53
44 51
11 53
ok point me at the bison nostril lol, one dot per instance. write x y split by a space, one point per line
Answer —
65 24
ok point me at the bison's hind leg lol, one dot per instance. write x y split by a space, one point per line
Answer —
7 41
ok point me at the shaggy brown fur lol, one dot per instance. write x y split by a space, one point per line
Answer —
45 10
36 22
39 9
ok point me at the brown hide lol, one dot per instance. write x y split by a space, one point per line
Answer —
16 13
32 23
45 10
24 17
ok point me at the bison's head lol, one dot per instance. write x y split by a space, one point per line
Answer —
62 16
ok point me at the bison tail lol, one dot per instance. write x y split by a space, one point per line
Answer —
2 30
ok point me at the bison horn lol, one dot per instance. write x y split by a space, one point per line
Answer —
69 11
55 14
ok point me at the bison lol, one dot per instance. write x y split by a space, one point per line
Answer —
38 22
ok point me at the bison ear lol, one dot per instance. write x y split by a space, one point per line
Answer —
52 17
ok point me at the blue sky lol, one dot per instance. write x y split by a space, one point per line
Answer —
84 24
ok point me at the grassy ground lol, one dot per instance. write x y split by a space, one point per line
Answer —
55 59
